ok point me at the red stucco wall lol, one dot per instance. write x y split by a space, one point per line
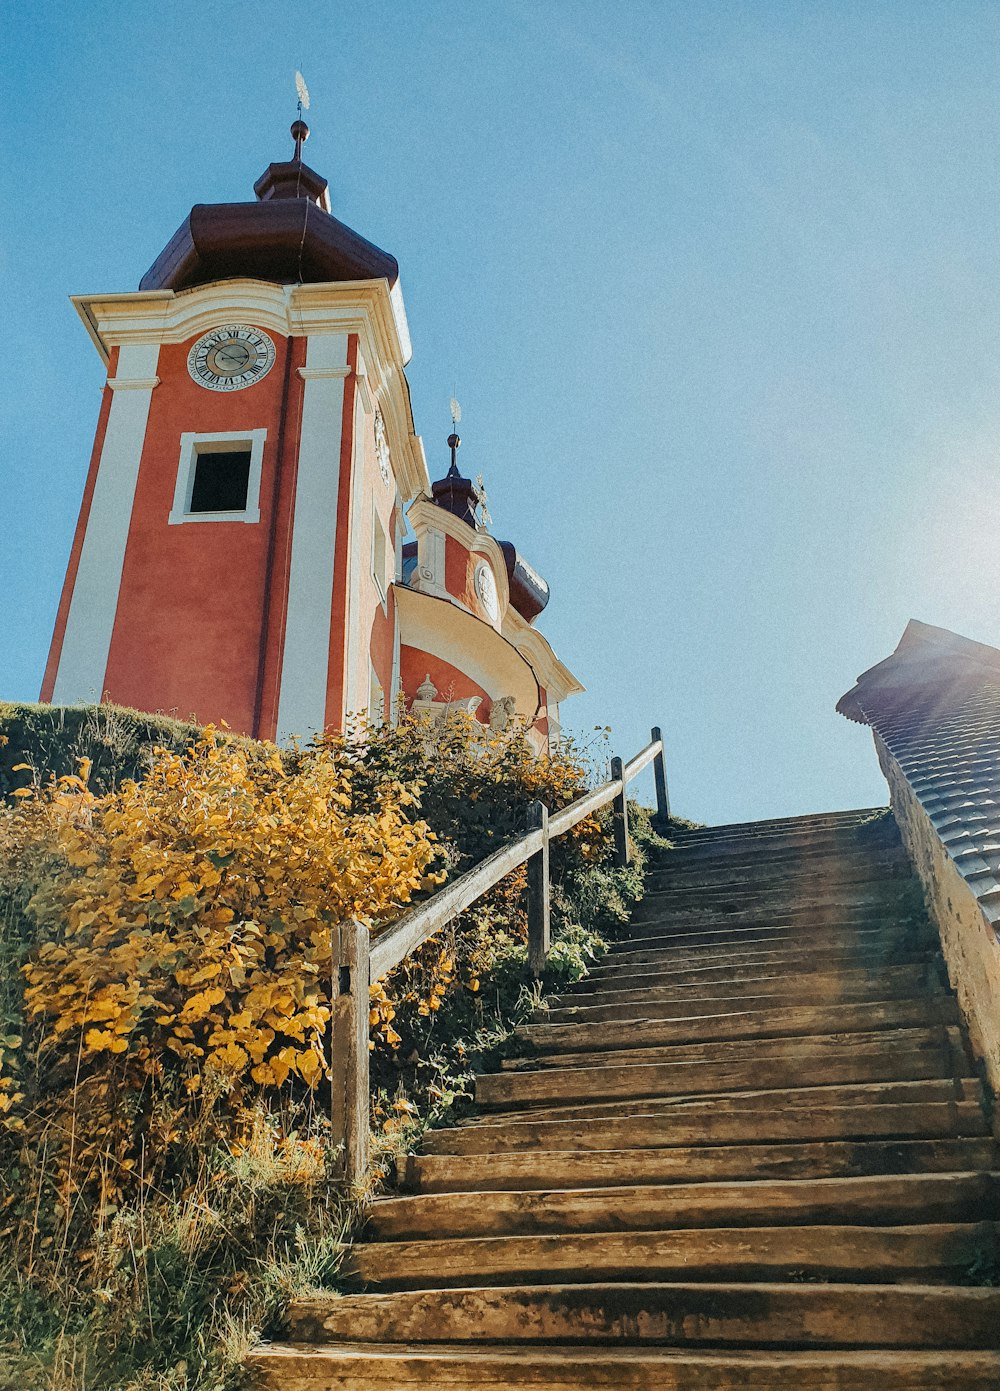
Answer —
452 684
188 629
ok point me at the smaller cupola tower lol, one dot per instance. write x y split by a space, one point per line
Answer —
455 493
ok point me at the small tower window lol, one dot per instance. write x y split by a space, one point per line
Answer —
221 479
218 478
380 550
376 698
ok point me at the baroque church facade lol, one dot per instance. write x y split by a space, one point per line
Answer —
259 540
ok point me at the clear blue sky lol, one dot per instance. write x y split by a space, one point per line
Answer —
717 285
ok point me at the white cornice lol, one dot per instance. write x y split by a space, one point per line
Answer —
311 374
133 383
475 647
553 674
365 307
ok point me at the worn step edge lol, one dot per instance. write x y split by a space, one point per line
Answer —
797 889
773 1313
869 1200
853 816
770 1023
634 1080
766 1100
792 879
803 847
786 936
383 1367
683 1164
654 1004
831 919
698 982
924 1120
669 966
946 1038
877 950
927 1252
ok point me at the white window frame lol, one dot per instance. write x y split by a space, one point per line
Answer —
192 445
376 697
381 580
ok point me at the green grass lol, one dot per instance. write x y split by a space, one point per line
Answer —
54 738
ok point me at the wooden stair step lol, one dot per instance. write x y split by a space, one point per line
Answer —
634 1079
828 918
680 1164
945 1039
714 1125
875 951
764 877
671 1003
877 1200
800 893
789 936
774 1314
928 1253
833 923
770 1099
695 981
737 850
841 822
383 1367
764 1023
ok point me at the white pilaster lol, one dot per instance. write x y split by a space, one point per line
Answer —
358 571
305 663
83 659
429 576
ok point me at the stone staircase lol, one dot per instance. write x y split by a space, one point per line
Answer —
750 1150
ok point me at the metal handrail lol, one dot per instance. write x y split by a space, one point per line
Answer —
358 961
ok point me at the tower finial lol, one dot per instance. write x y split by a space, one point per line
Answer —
300 134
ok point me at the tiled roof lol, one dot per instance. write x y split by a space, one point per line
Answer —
935 704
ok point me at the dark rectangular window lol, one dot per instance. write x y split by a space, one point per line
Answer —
221 480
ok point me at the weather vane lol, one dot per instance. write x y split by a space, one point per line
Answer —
300 131
303 92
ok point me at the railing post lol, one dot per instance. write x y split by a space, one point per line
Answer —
538 892
660 775
350 1106
620 815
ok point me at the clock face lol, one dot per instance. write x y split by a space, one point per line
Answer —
230 358
486 588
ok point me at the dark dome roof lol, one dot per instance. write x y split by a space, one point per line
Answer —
529 593
289 236
454 492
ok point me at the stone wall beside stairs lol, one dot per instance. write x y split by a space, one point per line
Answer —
968 940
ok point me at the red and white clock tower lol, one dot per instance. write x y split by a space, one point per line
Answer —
239 554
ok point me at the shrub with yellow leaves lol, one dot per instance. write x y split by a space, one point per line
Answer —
475 788
184 922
